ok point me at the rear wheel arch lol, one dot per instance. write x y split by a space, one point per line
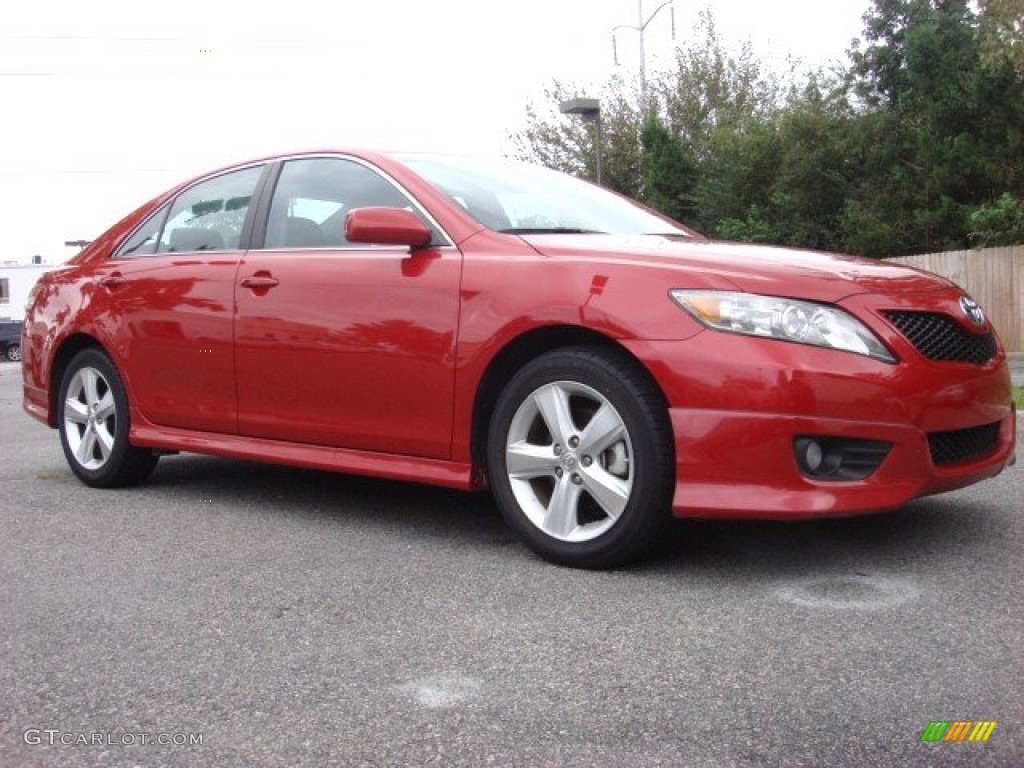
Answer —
94 422
518 352
70 347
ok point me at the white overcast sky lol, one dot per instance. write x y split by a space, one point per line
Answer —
108 103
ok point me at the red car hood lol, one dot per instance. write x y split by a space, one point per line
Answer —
752 268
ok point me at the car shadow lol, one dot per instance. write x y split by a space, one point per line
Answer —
928 528
422 509
925 529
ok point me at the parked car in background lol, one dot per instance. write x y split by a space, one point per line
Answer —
479 324
10 340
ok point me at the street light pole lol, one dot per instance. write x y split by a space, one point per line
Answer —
641 27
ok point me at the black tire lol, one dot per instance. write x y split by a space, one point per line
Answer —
94 435
640 466
13 353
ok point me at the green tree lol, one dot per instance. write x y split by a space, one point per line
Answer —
712 90
1002 33
917 145
569 145
1001 223
813 178
668 173
939 133
707 91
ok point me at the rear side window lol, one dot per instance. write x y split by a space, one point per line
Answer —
209 216
144 241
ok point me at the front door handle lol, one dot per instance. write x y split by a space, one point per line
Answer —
113 280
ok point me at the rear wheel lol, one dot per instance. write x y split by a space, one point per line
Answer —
92 416
580 458
14 353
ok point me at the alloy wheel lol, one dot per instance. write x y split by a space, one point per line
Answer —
90 418
569 461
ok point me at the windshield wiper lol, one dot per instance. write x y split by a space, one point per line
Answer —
550 231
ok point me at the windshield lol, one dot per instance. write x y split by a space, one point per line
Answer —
514 197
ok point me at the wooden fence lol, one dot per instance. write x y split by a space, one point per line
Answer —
994 277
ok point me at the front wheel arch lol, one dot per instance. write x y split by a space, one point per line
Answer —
520 351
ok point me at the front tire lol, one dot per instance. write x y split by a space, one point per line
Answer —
580 458
92 417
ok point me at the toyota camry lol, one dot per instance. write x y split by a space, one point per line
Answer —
488 324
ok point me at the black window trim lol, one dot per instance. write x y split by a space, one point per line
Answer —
162 211
258 242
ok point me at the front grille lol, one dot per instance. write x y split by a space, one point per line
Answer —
960 445
940 337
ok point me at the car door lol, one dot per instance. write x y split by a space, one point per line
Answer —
167 298
342 344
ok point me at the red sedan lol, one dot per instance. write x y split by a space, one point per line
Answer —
483 324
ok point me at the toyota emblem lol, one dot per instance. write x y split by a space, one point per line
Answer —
972 310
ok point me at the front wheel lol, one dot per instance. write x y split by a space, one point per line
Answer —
580 458
92 417
14 353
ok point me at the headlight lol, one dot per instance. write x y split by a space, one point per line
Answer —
772 317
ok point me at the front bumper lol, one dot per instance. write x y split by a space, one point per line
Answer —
737 403
740 465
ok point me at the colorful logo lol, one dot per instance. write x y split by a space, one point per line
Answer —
958 730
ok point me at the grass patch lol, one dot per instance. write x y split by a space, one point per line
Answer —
1018 397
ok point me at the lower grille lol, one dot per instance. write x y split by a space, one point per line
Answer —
940 337
961 445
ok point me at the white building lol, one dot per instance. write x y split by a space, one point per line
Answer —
16 280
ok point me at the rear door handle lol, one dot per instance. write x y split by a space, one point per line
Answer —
260 281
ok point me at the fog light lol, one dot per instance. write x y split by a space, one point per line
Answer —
813 455
822 457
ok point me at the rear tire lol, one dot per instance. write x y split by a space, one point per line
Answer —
14 353
580 458
93 421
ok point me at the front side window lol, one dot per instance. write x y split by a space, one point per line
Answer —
313 196
209 216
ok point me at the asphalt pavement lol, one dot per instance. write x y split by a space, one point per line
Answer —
289 618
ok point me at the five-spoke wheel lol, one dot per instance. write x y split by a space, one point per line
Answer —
93 422
90 418
568 458
580 457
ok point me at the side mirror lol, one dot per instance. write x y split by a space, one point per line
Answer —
386 226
